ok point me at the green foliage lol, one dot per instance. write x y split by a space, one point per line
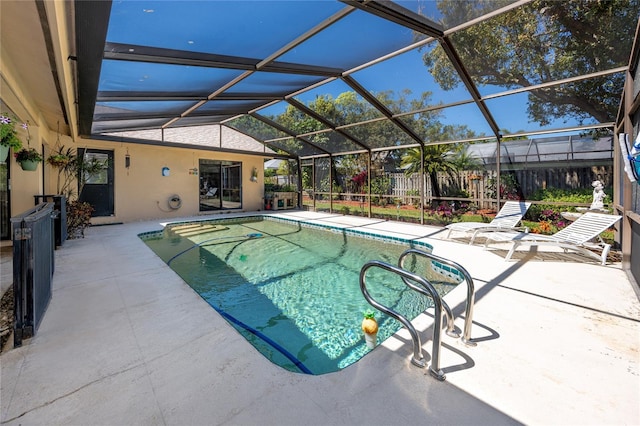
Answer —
459 193
544 40
349 107
463 159
78 218
28 154
254 127
437 158
509 187
578 195
538 212
380 186
74 170
8 132
273 187
306 177
287 168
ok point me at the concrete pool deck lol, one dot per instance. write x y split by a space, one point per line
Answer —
125 341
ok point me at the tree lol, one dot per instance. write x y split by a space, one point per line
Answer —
349 108
288 168
464 159
544 41
437 158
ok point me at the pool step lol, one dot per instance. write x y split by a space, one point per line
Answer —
196 229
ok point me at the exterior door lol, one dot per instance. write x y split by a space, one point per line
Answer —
220 185
98 189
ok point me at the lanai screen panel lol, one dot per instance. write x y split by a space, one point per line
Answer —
356 39
529 46
338 103
255 128
218 27
181 63
460 122
408 83
451 13
296 145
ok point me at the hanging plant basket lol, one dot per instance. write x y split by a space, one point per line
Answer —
58 160
28 158
29 165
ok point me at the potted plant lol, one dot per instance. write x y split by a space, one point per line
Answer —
63 161
8 136
59 159
28 158
370 328
74 170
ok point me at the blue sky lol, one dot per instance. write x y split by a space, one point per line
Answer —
256 29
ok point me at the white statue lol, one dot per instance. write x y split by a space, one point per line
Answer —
598 196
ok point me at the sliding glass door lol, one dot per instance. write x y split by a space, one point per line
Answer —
220 185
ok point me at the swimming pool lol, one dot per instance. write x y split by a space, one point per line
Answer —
292 288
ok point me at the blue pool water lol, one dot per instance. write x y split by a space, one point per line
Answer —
290 289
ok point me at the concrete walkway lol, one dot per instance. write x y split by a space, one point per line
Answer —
125 341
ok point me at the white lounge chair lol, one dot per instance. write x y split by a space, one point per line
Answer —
507 219
579 236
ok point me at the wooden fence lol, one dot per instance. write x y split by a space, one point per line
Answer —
476 183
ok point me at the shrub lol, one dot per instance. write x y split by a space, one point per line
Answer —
78 218
540 212
509 187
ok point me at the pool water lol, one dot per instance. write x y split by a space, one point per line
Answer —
293 290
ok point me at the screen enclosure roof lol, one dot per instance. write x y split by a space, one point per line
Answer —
316 78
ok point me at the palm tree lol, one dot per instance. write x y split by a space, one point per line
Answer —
437 158
464 159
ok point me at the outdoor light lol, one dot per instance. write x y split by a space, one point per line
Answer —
127 160
254 175
165 171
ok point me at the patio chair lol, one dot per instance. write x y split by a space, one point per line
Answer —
581 236
507 219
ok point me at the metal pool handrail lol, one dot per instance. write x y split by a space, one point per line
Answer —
428 290
466 336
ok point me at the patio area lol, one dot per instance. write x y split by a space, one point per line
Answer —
126 341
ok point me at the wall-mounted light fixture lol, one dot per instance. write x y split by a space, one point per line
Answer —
127 160
254 175
165 171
